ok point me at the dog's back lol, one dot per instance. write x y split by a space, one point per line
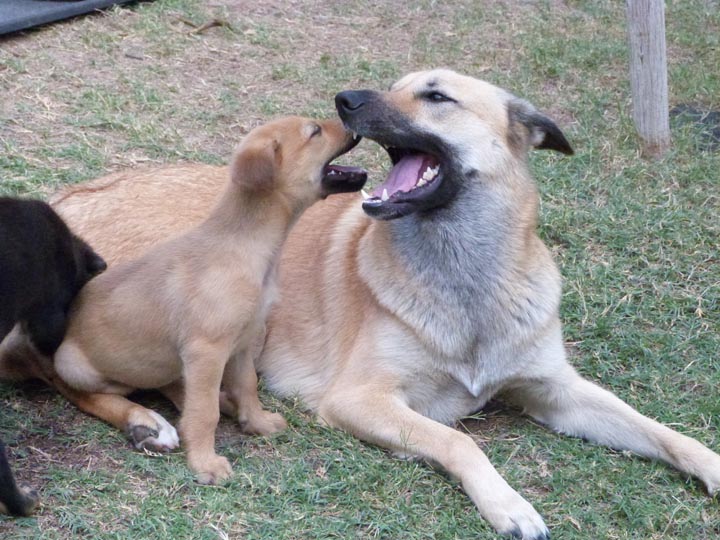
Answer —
119 232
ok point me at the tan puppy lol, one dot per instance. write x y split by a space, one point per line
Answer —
173 318
394 328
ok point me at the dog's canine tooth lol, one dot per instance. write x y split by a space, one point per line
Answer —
365 194
385 195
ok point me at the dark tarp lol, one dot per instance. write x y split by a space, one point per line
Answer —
20 14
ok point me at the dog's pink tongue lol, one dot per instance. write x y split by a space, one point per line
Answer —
404 175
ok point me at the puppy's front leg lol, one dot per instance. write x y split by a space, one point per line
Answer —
376 413
241 395
203 365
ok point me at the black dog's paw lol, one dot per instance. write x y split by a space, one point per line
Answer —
30 500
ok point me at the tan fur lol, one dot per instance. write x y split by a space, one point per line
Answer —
374 349
174 317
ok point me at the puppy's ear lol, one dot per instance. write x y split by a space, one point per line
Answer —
94 263
88 262
541 131
253 165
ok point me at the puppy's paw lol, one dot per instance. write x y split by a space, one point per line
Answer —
518 519
30 500
211 470
154 433
227 405
263 423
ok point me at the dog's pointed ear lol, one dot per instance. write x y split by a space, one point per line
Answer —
253 165
541 131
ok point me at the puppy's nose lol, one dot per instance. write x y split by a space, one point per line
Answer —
350 101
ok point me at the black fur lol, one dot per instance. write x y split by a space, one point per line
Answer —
42 267
15 501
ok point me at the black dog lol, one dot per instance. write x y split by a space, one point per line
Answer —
42 267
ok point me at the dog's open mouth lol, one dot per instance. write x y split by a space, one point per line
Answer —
415 175
342 179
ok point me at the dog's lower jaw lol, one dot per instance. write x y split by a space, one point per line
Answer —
438 194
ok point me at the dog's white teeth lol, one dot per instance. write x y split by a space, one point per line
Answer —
385 195
374 201
428 175
365 194
355 136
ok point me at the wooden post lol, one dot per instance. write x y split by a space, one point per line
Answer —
648 74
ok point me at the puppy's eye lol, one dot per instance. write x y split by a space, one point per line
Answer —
437 97
316 130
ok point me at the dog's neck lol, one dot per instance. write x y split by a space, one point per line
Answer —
239 212
451 273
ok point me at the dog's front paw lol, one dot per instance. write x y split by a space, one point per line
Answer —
708 470
210 470
263 423
713 485
518 519
153 433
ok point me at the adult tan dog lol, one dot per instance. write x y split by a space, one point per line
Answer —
173 318
393 328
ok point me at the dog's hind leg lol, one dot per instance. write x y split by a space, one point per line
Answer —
373 412
84 386
145 427
573 405
14 499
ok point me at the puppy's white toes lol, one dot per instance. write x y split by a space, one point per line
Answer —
161 437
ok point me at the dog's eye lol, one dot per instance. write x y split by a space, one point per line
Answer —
316 130
437 97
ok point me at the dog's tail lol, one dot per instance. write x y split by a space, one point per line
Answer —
14 500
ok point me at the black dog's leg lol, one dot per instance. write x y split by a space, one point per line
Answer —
6 325
12 499
46 327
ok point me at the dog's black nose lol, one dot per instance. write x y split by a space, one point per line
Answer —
350 101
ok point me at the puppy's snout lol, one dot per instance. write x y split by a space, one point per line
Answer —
349 102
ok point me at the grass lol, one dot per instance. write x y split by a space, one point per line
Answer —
636 242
